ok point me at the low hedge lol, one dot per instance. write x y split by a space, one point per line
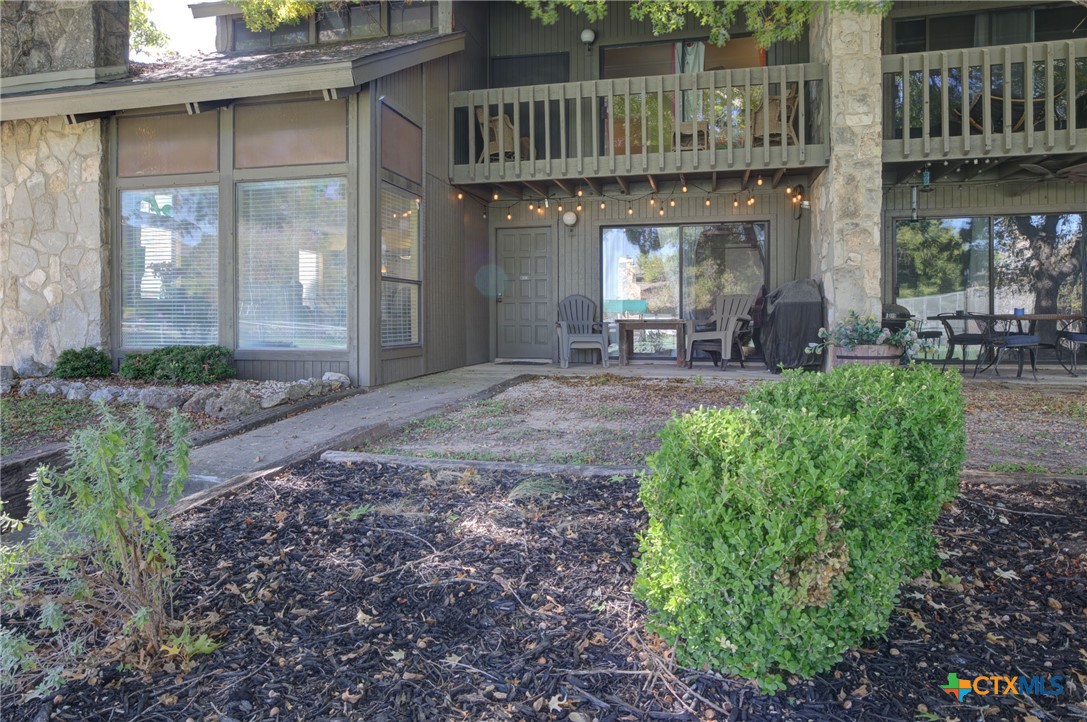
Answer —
180 364
82 363
779 534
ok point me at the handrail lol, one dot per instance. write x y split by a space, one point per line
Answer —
1018 98
719 119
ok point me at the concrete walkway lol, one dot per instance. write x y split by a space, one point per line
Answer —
342 424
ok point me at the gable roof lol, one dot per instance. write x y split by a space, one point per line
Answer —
226 76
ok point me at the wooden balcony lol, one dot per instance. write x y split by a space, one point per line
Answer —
1008 100
694 123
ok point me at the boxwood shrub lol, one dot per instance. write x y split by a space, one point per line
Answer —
779 534
180 364
82 363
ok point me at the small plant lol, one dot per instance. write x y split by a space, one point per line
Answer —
354 514
536 487
180 364
857 330
100 554
86 362
186 646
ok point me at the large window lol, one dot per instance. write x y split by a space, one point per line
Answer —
169 266
678 272
292 268
943 265
400 276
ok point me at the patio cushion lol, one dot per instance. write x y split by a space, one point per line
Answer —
1021 339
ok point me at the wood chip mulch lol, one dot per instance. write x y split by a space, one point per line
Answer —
378 593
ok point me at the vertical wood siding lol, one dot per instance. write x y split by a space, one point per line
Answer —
974 199
286 370
579 250
514 32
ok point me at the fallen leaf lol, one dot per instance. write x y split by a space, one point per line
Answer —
279 516
555 703
397 655
1006 575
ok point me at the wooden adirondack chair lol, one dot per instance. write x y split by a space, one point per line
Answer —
578 328
502 127
729 319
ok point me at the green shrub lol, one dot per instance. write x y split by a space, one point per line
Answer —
82 363
780 533
180 364
103 562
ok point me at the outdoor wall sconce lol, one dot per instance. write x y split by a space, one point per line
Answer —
569 219
588 36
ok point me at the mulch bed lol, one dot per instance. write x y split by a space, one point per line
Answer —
377 593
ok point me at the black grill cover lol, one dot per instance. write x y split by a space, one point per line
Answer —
794 314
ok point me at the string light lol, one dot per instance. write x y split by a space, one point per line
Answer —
460 196
758 181
735 202
540 210
579 193
630 210
578 207
660 212
707 201
509 216
788 190
495 196
531 206
560 208
602 205
751 200
672 202
684 189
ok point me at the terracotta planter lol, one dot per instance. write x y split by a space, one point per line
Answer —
867 355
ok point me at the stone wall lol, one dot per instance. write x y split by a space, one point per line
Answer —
847 197
44 36
53 241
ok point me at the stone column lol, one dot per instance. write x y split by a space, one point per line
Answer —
847 197
53 241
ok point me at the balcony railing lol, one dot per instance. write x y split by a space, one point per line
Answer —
976 102
757 118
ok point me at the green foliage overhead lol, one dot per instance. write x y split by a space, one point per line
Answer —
769 21
779 534
143 33
180 364
270 14
82 363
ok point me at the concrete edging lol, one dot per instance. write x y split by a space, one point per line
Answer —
358 457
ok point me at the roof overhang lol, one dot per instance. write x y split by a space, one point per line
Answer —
213 9
329 76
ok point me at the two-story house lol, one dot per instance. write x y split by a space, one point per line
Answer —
391 189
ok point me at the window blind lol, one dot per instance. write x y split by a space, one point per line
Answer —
169 267
292 264
400 214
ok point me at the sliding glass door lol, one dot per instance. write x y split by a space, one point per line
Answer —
678 272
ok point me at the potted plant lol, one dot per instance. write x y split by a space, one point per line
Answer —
862 339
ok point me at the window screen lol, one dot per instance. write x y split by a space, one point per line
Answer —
292 264
400 277
167 144
169 266
312 131
410 17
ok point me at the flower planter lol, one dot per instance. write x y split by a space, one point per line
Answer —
866 355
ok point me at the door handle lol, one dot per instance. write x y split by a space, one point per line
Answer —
499 299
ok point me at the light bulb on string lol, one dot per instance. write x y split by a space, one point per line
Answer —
630 210
460 196
560 208
660 212
579 206
684 189
495 196
788 190
652 201
751 200
708 202
735 202
531 206
509 216
671 202
758 181
579 193
603 205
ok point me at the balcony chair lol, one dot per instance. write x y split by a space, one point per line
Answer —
964 336
497 127
578 328
771 109
729 321
1070 338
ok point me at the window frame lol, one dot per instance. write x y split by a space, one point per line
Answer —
383 277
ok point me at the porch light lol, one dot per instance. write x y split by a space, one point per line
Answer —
588 36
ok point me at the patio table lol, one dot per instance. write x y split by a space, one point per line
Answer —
1031 319
627 327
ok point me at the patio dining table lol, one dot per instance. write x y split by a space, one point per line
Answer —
1031 320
